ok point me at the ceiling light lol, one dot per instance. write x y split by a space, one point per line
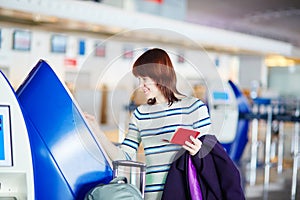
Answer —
279 61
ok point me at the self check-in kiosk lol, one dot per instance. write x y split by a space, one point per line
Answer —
53 153
224 113
227 107
67 158
16 169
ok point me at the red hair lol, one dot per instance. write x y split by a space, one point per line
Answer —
156 64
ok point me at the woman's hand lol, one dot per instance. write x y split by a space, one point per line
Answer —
112 151
194 147
92 122
89 117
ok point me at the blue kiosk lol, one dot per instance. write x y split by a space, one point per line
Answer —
67 159
228 106
236 147
16 167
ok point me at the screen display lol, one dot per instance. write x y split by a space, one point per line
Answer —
5 137
21 40
58 44
221 96
100 50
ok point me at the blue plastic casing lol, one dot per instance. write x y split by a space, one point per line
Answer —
236 148
67 159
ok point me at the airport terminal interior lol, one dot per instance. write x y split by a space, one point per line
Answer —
60 59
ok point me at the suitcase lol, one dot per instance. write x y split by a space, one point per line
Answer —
132 166
128 183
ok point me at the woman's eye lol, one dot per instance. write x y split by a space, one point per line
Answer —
141 80
147 79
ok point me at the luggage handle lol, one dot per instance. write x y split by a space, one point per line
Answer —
130 163
120 179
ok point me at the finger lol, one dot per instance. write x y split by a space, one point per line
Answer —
187 148
196 143
194 147
195 140
88 116
187 143
191 146
190 150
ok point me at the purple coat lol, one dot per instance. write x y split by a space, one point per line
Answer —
218 176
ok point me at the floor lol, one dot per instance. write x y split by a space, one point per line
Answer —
280 184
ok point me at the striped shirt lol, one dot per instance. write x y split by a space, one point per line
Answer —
150 125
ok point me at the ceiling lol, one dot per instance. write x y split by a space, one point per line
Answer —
275 19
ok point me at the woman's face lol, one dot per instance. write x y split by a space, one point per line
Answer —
149 87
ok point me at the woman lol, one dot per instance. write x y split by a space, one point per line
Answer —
155 122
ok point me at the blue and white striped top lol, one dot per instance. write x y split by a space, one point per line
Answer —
150 125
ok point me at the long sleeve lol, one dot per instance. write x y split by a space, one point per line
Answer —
113 152
132 139
202 121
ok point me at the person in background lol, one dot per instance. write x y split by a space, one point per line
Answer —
155 122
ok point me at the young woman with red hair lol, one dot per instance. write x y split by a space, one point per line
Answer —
152 123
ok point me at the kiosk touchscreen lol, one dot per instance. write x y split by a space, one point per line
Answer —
224 114
5 136
227 108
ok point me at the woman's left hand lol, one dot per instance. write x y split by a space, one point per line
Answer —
194 147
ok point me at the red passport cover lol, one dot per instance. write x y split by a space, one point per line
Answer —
182 134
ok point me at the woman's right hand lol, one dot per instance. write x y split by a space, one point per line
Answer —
114 153
91 119
89 116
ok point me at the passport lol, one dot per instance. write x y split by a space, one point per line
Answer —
182 134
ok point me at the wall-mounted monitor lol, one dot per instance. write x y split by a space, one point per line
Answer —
100 50
21 40
128 52
5 136
58 43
